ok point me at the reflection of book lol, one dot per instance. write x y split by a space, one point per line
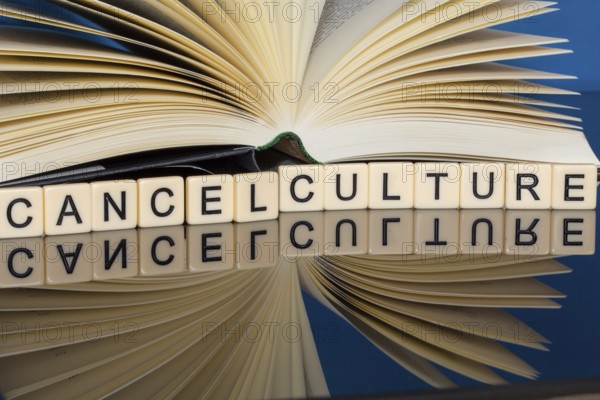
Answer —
244 333
88 80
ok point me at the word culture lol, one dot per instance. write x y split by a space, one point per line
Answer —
169 201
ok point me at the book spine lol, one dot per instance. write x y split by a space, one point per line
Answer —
169 201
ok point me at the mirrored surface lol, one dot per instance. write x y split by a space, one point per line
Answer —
309 305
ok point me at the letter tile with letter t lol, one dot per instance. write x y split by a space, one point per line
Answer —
528 186
68 209
114 205
574 187
161 201
346 186
301 188
210 199
256 196
23 212
437 185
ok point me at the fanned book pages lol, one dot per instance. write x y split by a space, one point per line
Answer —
355 80
158 314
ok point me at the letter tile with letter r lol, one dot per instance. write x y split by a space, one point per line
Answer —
528 186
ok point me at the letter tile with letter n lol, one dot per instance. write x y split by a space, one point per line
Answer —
210 199
482 185
301 188
256 196
22 212
574 187
346 186
68 209
437 185
391 185
528 186
161 201
114 205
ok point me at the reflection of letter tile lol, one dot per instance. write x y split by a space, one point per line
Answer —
22 263
69 258
482 232
527 233
573 233
301 234
436 232
391 232
210 247
346 233
117 254
162 250
257 244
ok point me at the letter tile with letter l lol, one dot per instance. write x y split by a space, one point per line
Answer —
391 185
256 196
346 186
114 205
528 186
482 185
210 247
161 201
574 187
23 212
301 188
22 263
210 199
68 209
437 185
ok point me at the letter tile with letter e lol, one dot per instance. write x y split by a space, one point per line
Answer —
68 209
437 185
573 232
528 186
161 201
118 254
22 212
391 185
256 196
482 185
301 188
211 247
114 205
69 259
22 263
210 199
574 187
346 186
162 250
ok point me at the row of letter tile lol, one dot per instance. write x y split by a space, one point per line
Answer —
441 234
169 201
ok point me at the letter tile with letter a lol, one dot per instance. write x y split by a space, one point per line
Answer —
68 209
161 201
22 263
346 186
69 259
391 185
301 188
437 185
256 196
114 205
482 185
528 186
574 187
22 212
210 199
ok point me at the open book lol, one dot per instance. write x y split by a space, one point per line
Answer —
353 79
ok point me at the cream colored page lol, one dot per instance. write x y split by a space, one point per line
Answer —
341 25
